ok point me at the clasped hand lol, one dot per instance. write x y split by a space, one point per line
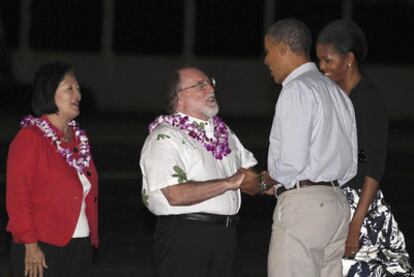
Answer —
251 182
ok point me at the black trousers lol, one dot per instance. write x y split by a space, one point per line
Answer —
74 259
192 248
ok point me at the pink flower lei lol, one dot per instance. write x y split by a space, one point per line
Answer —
218 145
84 154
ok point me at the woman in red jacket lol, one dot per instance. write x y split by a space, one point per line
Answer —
52 183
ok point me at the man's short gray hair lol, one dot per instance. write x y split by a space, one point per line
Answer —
172 89
292 32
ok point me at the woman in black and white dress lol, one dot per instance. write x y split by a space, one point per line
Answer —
375 245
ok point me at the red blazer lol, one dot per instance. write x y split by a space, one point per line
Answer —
44 194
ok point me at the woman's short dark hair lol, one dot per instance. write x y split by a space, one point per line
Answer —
345 36
46 81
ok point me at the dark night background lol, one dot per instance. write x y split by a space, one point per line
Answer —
148 36
227 28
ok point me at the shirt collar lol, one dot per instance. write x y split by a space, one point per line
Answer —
299 71
207 125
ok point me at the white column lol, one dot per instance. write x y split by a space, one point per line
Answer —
107 27
25 19
189 29
347 9
23 58
269 14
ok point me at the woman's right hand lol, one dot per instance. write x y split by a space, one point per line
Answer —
34 260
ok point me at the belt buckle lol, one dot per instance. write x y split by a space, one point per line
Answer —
277 186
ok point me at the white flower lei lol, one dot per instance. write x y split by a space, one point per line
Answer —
84 155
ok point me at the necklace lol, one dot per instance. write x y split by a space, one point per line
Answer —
218 145
84 155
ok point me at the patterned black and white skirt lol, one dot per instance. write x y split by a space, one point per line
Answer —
383 251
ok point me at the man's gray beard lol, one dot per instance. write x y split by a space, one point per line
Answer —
211 112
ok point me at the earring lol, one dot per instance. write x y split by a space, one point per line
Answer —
349 65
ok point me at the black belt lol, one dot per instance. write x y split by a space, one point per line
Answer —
305 183
226 220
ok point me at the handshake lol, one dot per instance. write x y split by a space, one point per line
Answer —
252 183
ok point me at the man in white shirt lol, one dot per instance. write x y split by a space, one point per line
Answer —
192 166
313 151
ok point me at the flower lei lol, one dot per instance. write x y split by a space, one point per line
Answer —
218 145
84 154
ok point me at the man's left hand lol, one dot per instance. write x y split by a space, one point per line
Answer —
250 183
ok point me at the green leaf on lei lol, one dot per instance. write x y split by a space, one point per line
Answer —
180 174
200 126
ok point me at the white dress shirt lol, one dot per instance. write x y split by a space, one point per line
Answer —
313 134
169 153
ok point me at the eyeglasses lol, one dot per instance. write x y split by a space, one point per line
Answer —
202 84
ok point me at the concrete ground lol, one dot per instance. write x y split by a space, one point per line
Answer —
125 224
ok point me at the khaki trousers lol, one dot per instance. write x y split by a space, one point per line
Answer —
310 226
